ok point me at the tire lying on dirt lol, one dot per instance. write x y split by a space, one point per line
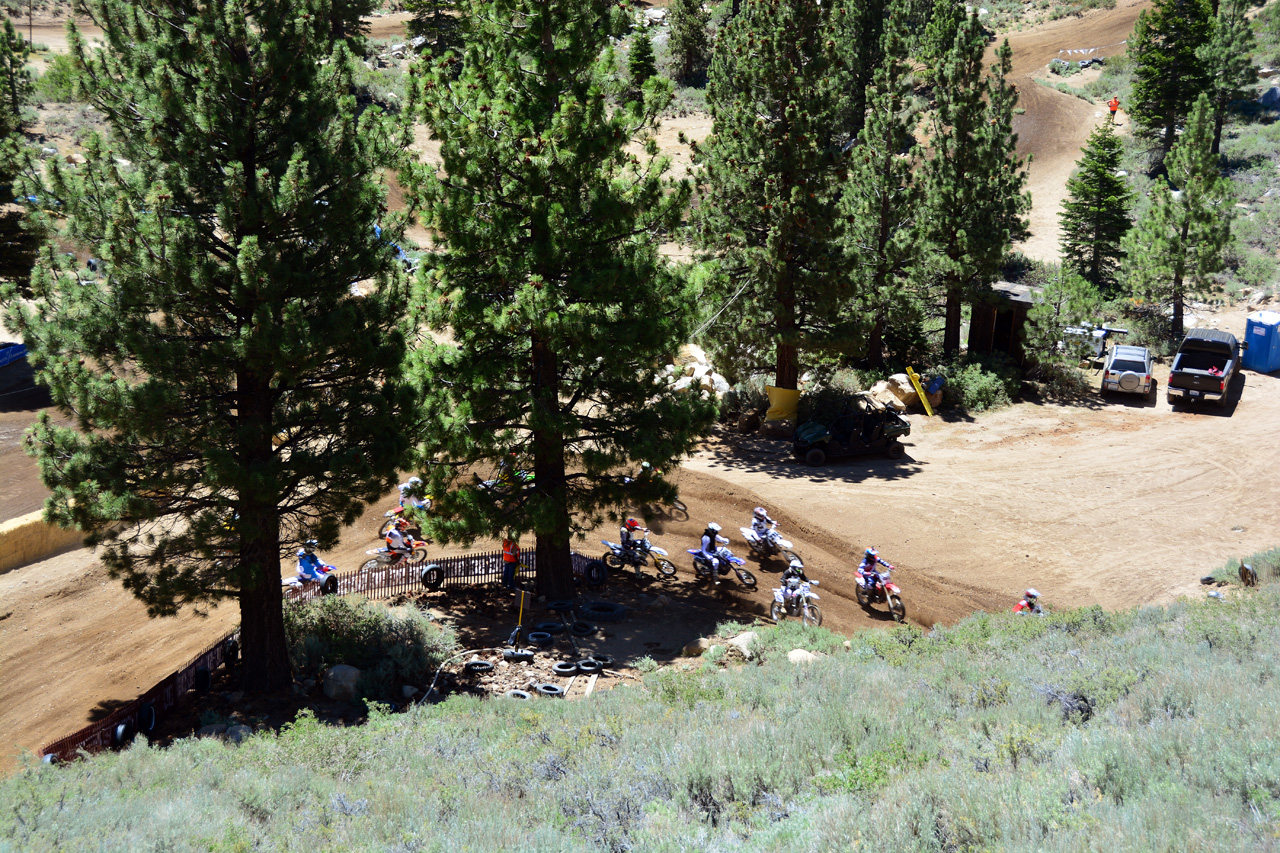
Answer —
594 573
589 665
565 668
518 694
603 611
582 629
540 639
475 667
551 690
432 577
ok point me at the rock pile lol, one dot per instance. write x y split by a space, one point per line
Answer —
692 372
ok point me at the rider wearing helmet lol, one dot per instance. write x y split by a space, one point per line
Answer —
397 542
760 522
409 496
309 566
1030 603
710 537
867 570
632 535
794 570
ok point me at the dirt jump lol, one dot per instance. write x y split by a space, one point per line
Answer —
1117 501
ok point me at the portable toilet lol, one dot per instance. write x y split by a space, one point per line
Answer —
1262 332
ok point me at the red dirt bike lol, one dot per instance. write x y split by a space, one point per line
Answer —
882 590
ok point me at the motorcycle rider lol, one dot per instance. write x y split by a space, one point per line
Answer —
632 535
1030 603
408 499
710 538
761 523
867 570
309 567
396 542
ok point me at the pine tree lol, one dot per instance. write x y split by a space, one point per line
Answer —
15 89
1177 245
1095 215
1228 61
1065 299
231 395
548 276
640 62
689 43
770 170
974 179
882 199
940 33
440 21
1167 75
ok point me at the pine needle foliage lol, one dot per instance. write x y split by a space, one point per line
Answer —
780 97
1167 73
1095 215
1176 246
230 395
689 42
1228 61
547 275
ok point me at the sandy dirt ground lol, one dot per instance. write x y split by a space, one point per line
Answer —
1117 501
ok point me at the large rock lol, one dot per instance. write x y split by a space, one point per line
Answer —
699 371
684 383
690 354
237 734
900 386
1271 98
801 656
748 422
695 648
743 643
340 682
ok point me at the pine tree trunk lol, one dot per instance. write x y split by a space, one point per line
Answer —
875 344
555 566
787 368
951 331
1217 131
1176 324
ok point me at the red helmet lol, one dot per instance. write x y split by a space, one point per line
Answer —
632 524
402 524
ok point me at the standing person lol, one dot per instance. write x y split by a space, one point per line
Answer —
1114 105
510 561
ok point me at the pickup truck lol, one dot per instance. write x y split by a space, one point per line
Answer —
1203 369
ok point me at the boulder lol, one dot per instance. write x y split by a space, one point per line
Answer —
684 383
743 643
408 691
748 422
340 682
719 385
215 730
690 354
239 733
900 386
654 16
1271 98
894 403
699 370
778 429
1264 73
662 601
695 648
801 656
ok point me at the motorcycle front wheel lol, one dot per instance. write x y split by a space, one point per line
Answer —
790 555
811 615
418 554
776 612
860 593
748 579
897 608
386 527
666 568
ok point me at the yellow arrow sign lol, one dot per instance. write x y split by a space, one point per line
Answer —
924 399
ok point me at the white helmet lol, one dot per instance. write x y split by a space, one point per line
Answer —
415 481
302 552
760 513
1032 594
713 526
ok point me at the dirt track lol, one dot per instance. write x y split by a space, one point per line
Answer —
1117 502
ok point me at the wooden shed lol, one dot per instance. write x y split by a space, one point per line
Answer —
996 326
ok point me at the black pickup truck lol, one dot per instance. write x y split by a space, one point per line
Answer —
1203 369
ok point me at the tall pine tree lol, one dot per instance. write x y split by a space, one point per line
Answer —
15 88
1177 245
781 110
640 62
1095 215
1228 61
882 199
689 42
1167 74
230 394
548 276
974 178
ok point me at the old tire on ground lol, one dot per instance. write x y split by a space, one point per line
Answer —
665 567
518 694
147 718
475 667
594 573
549 627
815 457
897 608
582 629
604 660
811 615
433 577
540 639
587 666
329 586
603 611
122 734
776 611
896 450
552 690
565 668
559 605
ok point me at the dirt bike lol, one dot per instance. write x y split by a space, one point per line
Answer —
795 598
391 516
770 544
884 590
387 557
327 579
618 557
702 567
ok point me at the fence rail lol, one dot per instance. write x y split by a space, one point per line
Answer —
141 715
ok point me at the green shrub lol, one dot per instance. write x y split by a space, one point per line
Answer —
980 384
57 83
826 400
745 397
389 646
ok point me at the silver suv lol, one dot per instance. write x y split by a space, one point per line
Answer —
1128 369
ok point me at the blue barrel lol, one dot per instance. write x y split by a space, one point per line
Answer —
1262 333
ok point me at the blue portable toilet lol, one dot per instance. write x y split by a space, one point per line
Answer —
1262 331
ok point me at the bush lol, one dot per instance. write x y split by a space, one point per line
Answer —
57 83
390 647
824 401
980 384
745 397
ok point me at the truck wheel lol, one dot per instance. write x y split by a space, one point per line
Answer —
815 457
895 450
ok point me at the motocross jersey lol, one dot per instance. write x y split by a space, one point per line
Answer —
309 568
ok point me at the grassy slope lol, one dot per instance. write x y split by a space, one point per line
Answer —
1146 730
